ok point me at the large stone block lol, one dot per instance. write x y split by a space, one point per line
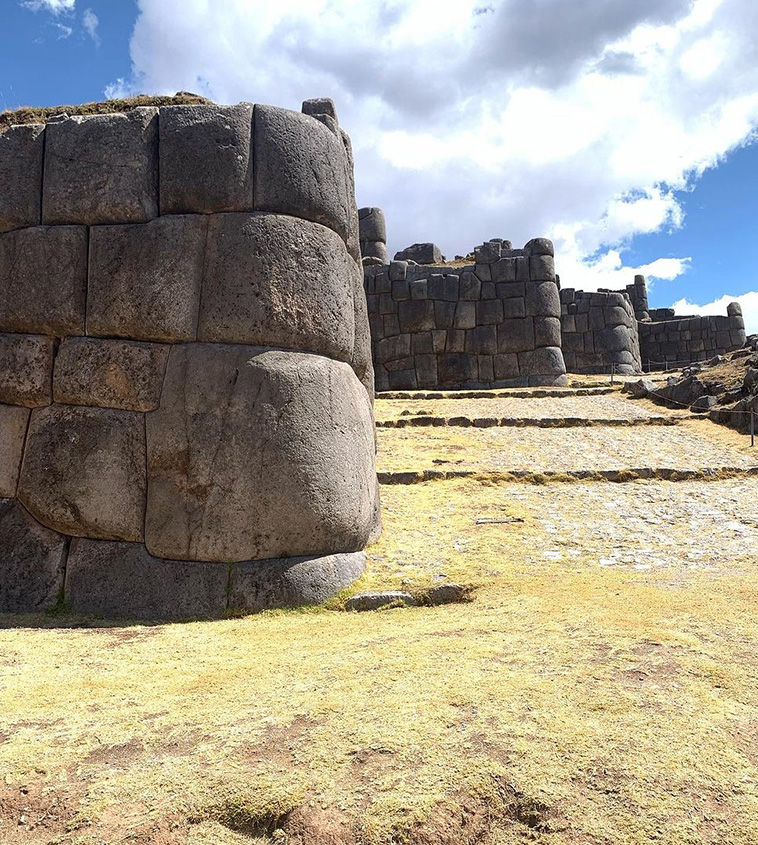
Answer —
300 168
258 454
547 361
361 358
102 168
21 150
26 369
206 162
352 242
457 368
144 281
123 580
417 315
110 373
84 471
515 335
32 561
13 422
547 331
43 280
272 280
291 582
373 226
375 249
543 300
426 253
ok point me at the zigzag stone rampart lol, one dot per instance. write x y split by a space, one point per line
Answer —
186 389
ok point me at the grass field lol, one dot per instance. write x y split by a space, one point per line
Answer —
601 687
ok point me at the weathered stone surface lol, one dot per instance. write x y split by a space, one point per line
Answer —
361 357
122 580
32 561
373 226
102 168
426 253
26 369
375 249
547 331
300 168
447 594
542 299
539 246
291 582
515 335
273 280
541 268
43 280
13 422
110 373
351 241
319 106
84 471
21 149
258 454
547 361
418 315
398 270
734 309
206 162
144 280
456 368
377 600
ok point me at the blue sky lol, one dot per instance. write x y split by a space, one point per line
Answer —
593 128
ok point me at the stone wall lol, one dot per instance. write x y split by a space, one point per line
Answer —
186 424
674 343
493 323
599 332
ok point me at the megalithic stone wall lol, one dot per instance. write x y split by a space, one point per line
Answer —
495 323
599 332
675 343
373 234
186 387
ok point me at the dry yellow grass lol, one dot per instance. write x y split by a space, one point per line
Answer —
601 688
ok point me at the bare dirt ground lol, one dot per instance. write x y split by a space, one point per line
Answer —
601 688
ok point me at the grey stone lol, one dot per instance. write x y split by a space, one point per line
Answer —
373 226
487 253
542 300
403 380
444 314
546 361
455 341
513 308
291 582
421 343
352 242
361 358
43 280
465 315
425 253
110 373
32 562
319 106
300 169
274 280
375 249
734 309
426 370
371 261
515 335
392 348
206 162
102 168
257 454
547 331
443 287
144 280
26 368
377 600
398 270
541 268
470 286
84 471
21 149
419 289
506 366
456 368
416 315
489 312
401 290
482 340
504 270
704 403
124 581
13 422
483 272
539 246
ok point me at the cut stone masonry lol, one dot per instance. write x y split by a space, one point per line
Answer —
186 422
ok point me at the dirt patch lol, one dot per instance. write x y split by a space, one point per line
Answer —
116 755
33 813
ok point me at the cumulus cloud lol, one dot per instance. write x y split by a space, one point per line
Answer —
54 6
580 121
748 301
90 23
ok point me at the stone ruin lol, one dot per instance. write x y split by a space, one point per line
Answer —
504 321
186 423
495 322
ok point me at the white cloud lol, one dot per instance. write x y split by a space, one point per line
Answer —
90 23
748 301
54 6
64 31
582 128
